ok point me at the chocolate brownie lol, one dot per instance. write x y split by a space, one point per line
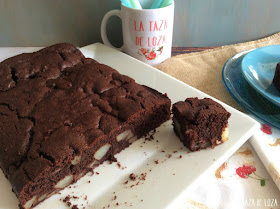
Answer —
200 123
276 78
62 114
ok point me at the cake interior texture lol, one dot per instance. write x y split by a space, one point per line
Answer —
62 115
200 123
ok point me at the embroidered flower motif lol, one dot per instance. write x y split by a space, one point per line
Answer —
266 129
150 54
246 170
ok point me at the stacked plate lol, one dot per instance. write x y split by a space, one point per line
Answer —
248 78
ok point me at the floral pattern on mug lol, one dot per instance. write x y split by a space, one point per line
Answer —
150 54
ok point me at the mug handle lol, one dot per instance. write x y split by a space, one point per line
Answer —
104 36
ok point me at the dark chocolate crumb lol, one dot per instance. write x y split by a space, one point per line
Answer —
117 203
143 176
132 186
75 207
132 176
66 199
180 156
88 181
162 151
175 151
97 173
126 182
115 197
169 155
156 161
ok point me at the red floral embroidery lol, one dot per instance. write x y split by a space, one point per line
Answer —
151 56
266 129
245 171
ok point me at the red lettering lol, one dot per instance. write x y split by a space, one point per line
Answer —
154 41
165 24
141 26
161 24
155 26
150 25
135 25
158 43
139 41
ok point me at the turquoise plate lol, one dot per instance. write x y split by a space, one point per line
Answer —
245 95
258 68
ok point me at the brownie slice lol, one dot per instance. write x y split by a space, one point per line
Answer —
276 78
200 123
62 114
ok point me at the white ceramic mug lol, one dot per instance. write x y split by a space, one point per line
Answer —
147 33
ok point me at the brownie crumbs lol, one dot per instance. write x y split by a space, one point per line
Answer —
97 173
175 151
117 203
67 198
86 197
126 182
132 186
162 151
75 207
115 197
180 156
88 181
120 166
132 176
141 200
169 155
75 197
143 176
156 162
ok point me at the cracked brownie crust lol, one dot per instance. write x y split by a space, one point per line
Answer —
62 114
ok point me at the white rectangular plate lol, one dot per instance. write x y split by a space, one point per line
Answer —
169 168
